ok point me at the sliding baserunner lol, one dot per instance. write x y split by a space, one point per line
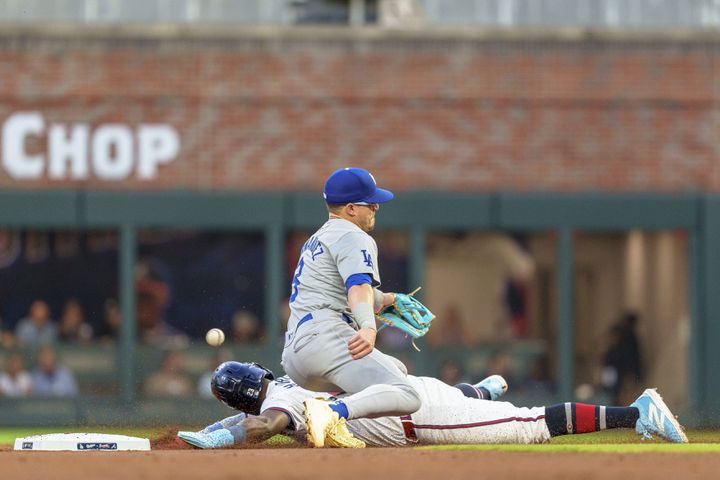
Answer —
463 414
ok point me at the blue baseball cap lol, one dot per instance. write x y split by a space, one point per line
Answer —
354 185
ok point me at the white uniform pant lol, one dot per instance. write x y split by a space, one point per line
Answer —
449 417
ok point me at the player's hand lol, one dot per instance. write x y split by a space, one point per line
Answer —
362 343
388 299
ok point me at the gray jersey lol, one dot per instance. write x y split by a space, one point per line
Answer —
338 250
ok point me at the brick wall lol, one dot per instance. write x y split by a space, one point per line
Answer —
453 112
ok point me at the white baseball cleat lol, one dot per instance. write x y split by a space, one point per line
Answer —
656 418
496 385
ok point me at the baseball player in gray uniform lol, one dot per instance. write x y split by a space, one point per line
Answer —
330 341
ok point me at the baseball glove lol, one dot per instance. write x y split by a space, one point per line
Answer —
409 315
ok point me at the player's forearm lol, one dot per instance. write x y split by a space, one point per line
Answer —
361 299
382 299
225 423
258 429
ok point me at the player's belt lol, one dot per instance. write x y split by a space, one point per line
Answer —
303 320
409 428
347 319
289 336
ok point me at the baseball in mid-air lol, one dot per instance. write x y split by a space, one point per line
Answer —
215 337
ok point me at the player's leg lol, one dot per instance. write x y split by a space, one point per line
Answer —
648 415
378 388
450 417
319 360
377 385
571 418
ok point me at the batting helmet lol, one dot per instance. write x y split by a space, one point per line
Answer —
238 385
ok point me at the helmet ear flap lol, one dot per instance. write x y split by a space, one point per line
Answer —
237 394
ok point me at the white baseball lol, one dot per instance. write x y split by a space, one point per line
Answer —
215 337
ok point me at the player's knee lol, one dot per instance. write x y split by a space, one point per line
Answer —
399 364
412 398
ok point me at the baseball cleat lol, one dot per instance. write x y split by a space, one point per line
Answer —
325 428
340 437
496 385
217 439
656 418
319 420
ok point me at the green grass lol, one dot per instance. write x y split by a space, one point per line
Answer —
618 441
589 448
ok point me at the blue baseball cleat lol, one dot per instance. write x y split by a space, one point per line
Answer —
217 439
496 385
656 418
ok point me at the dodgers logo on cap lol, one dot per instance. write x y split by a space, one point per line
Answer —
354 185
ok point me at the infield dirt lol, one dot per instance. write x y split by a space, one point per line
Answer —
392 463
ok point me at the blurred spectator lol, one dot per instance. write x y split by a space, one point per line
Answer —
451 372
203 385
622 362
15 380
37 328
171 380
470 271
500 363
37 246
7 339
112 319
538 381
73 327
516 302
153 297
50 378
452 331
246 327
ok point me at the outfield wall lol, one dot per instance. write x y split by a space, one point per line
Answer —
279 108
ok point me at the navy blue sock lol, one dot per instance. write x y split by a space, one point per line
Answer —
568 418
621 417
473 391
340 408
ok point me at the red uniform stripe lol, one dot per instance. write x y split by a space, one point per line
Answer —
480 424
584 418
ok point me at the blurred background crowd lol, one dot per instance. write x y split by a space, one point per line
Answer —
481 286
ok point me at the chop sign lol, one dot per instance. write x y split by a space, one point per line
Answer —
110 152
